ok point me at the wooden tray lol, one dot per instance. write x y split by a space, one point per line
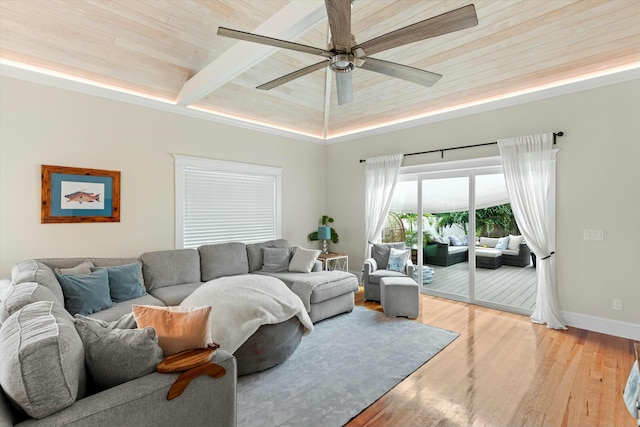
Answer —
187 359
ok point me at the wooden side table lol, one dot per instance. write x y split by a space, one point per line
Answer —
334 261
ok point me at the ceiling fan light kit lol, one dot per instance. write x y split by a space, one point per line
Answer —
345 55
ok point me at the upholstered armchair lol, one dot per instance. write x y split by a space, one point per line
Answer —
375 268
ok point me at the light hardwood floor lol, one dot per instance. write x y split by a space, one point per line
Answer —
503 370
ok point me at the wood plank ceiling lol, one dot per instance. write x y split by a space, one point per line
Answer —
154 47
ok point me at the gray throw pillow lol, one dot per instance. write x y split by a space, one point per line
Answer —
275 259
41 359
82 268
86 293
124 281
115 356
127 321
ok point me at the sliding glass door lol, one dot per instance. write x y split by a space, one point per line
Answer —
465 241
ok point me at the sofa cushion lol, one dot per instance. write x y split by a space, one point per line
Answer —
41 359
489 242
86 293
379 274
515 242
303 260
174 295
20 295
168 268
114 356
380 252
255 254
124 281
83 268
503 243
275 259
125 307
178 328
36 271
223 259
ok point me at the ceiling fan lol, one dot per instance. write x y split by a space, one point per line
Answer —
345 54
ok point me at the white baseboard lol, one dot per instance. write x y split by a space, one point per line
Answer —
604 326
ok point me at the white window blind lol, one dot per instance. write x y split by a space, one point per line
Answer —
219 201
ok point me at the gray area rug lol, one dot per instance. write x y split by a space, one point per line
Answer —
345 365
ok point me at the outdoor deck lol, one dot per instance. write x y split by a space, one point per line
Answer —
512 286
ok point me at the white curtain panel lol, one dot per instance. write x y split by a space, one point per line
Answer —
528 163
381 176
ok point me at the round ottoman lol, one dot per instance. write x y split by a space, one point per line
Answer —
269 346
400 296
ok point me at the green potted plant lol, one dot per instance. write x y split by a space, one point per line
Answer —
325 221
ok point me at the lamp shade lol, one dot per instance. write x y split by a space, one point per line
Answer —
324 233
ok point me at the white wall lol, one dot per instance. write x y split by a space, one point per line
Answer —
45 125
597 186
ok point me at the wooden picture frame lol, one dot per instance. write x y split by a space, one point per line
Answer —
72 195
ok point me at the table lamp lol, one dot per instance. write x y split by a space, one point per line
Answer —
324 234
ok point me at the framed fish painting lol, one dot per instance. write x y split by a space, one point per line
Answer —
79 195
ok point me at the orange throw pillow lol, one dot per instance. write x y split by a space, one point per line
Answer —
177 328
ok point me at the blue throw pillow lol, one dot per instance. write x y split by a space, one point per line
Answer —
124 281
86 293
503 243
398 259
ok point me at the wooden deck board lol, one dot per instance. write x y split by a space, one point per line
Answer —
507 285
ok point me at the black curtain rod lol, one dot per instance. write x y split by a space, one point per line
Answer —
442 150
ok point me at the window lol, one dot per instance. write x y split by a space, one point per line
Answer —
219 201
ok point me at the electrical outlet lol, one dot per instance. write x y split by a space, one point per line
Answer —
617 304
593 234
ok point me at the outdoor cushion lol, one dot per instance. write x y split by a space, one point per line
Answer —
41 359
503 242
223 259
167 268
515 242
489 242
457 249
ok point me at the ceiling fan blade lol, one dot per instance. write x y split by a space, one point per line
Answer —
255 38
291 76
458 19
344 87
339 13
404 72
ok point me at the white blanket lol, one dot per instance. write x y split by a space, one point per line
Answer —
241 304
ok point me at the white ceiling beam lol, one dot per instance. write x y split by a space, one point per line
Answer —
289 23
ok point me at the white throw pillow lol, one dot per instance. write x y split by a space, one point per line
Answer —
514 242
398 259
303 260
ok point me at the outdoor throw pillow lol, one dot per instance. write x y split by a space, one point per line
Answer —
503 243
115 356
398 259
515 242
275 259
124 281
86 293
456 241
82 268
177 328
303 260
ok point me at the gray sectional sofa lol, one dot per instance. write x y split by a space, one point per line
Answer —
168 277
